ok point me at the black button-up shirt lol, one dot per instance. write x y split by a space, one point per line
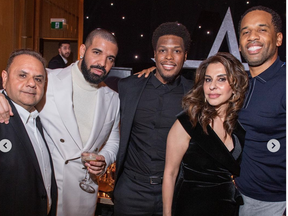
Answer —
156 112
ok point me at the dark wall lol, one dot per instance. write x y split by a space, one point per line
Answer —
142 17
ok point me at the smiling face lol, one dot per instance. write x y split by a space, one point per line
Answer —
217 89
24 81
98 59
259 41
169 57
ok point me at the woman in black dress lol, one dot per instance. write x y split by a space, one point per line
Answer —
205 142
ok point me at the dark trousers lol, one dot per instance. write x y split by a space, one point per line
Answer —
135 198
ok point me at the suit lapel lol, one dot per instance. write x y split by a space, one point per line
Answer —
102 105
24 139
128 106
40 128
133 99
63 100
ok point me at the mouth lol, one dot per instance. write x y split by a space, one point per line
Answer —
168 66
254 48
29 93
213 96
97 71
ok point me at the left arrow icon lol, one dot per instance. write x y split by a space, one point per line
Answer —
5 145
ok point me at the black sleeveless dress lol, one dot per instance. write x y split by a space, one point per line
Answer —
205 184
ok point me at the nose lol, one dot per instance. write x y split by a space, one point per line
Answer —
102 61
169 55
31 82
253 35
212 85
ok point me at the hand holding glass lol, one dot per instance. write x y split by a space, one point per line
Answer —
84 184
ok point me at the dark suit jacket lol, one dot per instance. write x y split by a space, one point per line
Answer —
130 90
56 62
22 190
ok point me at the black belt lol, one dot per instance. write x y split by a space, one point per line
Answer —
153 180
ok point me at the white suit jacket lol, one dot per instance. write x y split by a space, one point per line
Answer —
64 141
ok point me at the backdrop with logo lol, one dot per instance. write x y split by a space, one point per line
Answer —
208 22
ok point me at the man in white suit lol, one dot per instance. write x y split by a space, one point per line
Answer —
79 114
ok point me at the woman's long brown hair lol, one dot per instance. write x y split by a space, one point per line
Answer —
201 111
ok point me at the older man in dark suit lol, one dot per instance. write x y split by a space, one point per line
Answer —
28 186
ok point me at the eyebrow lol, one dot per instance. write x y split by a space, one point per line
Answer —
264 25
219 75
40 76
34 76
99 50
260 25
96 49
243 28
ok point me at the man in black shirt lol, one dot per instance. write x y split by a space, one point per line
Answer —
60 60
148 109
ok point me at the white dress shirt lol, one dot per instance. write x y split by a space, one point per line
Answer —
41 151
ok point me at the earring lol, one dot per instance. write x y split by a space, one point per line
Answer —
81 57
232 97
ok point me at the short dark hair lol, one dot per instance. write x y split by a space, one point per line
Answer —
276 19
100 33
25 52
63 42
172 28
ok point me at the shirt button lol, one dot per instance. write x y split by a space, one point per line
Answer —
62 140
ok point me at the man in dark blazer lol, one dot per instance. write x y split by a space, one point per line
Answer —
148 108
60 60
28 186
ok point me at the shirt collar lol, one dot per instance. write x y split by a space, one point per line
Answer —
156 83
270 72
64 59
24 114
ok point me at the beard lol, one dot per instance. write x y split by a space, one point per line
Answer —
168 79
91 77
65 55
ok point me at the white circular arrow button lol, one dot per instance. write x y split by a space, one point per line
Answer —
273 145
5 145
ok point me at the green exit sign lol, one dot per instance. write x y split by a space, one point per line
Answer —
56 25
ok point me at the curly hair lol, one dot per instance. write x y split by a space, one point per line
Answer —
276 19
172 28
194 101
